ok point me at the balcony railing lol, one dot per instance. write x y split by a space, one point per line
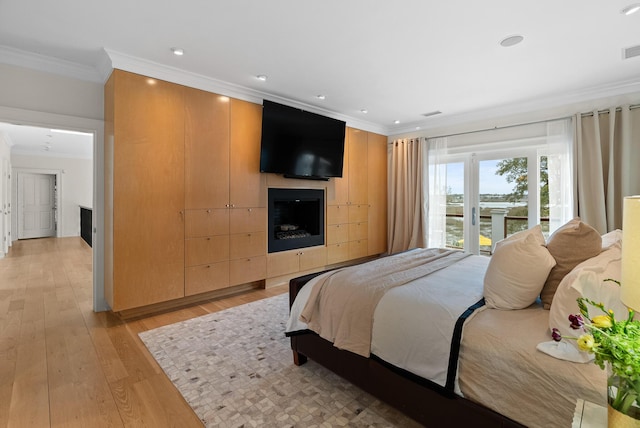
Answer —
496 227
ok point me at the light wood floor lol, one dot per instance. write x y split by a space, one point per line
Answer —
61 364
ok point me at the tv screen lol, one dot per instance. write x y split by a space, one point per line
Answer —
300 144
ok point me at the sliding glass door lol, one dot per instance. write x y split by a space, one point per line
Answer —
480 194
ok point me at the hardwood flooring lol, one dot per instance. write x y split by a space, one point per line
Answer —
63 365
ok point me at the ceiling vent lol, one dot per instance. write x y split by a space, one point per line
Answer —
432 113
631 52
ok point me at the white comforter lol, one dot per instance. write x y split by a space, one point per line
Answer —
412 326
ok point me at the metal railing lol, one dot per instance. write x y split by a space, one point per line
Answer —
505 229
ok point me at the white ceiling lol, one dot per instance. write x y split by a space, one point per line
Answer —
398 60
34 141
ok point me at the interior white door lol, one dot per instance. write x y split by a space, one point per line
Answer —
36 205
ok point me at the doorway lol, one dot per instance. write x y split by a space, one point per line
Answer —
37 205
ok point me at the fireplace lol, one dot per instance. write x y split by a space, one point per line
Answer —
296 218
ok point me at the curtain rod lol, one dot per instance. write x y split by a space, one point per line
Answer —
588 114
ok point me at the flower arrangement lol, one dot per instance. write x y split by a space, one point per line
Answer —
616 347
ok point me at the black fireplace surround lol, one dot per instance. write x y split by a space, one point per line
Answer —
296 218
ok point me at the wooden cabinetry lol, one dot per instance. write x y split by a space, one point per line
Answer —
347 210
144 191
225 194
377 152
186 203
300 260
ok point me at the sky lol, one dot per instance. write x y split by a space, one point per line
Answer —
489 181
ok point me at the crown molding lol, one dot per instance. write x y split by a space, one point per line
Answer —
48 64
592 94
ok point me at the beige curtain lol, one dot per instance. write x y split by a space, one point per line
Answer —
406 196
607 165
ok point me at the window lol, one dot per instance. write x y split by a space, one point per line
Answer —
488 185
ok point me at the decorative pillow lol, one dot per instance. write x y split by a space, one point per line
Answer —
517 271
611 238
586 280
570 245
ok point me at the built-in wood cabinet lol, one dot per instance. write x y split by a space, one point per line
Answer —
377 149
294 261
145 182
356 209
186 204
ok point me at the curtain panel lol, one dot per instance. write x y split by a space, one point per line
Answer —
406 195
607 156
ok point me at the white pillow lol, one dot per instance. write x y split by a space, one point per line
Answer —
611 238
586 280
535 231
517 271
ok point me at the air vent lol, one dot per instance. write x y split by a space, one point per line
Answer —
631 52
432 113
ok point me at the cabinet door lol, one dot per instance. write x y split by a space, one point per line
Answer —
251 269
206 142
337 253
312 257
357 249
247 220
282 263
337 214
212 249
358 175
209 277
242 245
358 213
337 233
377 153
338 188
148 190
358 231
248 186
206 222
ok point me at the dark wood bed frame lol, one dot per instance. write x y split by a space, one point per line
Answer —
418 398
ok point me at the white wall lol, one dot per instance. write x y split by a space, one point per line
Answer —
75 188
43 99
5 195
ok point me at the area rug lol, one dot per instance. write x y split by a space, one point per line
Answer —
235 369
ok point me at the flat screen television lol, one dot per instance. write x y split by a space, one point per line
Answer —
300 144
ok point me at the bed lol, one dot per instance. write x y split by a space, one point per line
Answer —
500 378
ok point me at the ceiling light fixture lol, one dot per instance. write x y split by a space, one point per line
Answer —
396 122
631 9
511 41
262 77
177 51
320 97
364 110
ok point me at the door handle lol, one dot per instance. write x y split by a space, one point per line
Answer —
473 216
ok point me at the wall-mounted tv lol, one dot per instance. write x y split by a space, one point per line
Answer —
300 144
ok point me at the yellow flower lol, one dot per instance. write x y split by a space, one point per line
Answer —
602 321
585 342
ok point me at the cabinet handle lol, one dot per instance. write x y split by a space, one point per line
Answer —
208 266
209 211
248 234
208 239
233 206
249 209
227 205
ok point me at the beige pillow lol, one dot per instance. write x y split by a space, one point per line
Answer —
570 245
516 272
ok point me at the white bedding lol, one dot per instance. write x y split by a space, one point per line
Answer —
499 365
422 351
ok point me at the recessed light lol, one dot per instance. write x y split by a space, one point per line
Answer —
417 128
396 122
321 97
223 99
177 51
631 9
364 110
262 77
511 41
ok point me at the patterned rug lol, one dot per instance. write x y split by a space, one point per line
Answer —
235 369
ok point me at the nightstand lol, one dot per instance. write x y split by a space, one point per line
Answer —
589 415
